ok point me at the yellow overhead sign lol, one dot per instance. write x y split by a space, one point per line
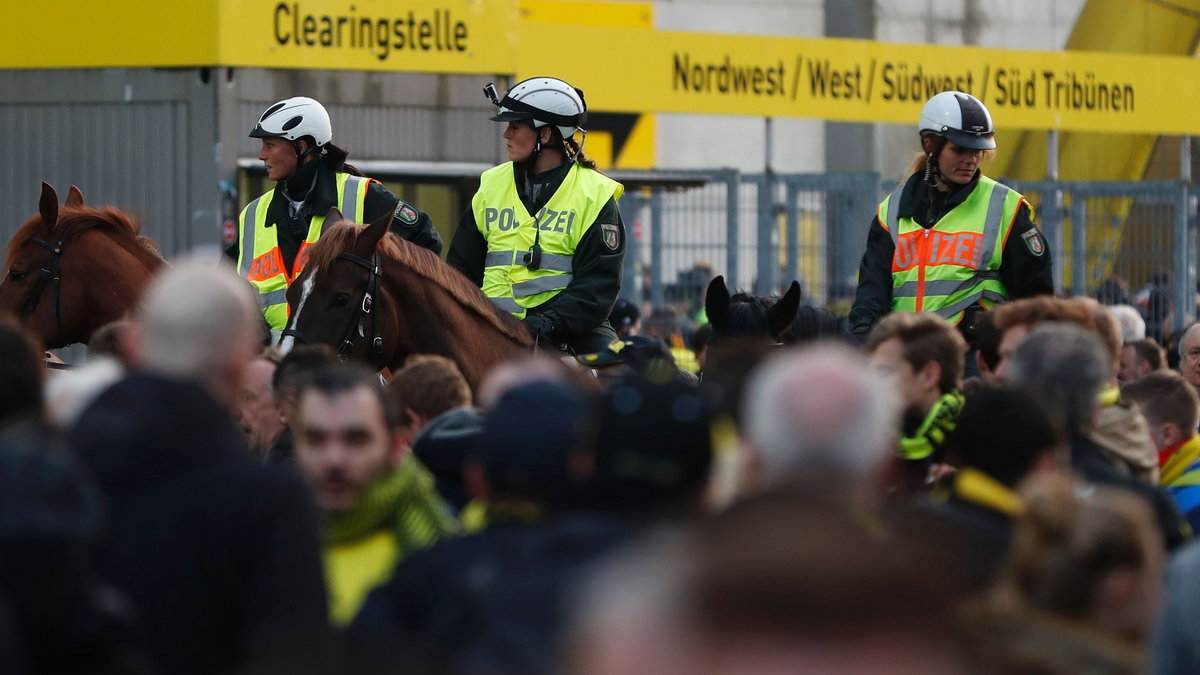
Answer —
441 36
612 51
437 36
637 69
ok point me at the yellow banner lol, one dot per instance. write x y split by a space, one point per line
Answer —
614 54
437 36
632 69
58 34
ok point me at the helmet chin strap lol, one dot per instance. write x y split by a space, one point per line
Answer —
301 156
578 151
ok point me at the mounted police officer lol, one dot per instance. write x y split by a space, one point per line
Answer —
950 240
312 177
543 237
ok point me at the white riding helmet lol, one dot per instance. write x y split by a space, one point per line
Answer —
543 100
960 117
293 119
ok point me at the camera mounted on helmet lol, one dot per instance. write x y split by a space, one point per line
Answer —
543 101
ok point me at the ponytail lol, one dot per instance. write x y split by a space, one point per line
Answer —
576 151
335 158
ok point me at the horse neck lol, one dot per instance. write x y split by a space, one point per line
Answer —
113 271
437 323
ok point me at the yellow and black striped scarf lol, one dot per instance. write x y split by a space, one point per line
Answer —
405 502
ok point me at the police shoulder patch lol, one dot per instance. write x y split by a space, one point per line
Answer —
405 213
611 234
1034 242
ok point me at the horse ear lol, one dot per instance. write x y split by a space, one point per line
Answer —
334 216
368 239
150 245
783 313
716 302
74 197
48 206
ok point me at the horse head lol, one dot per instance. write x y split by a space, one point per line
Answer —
747 317
419 305
54 260
338 298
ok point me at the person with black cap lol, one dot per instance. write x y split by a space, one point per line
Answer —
625 318
543 237
312 177
949 239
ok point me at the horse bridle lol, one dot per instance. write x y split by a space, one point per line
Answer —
50 272
359 321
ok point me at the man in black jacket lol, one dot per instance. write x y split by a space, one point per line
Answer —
218 553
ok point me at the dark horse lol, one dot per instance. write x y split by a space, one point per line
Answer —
72 270
748 317
751 318
379 298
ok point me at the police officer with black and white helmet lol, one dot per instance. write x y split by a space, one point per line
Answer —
312 177
949 239
543 237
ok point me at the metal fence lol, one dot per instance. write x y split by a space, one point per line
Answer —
763 230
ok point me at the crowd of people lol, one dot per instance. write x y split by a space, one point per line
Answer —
966 475
188 502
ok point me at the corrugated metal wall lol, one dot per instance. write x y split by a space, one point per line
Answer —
138 139
159 143
383 116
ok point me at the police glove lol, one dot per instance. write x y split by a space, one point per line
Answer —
935 429
540 327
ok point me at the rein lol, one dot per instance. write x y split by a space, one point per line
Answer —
358 323
50 272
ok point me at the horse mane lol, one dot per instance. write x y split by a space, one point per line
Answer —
75 221
342 236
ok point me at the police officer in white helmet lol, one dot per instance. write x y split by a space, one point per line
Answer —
949 239
543 237
312 177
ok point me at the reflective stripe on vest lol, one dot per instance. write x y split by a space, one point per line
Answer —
260 260
949 267
510 232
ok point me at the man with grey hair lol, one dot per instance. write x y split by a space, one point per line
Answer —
818 410
1133 326
219 554
1189 355
1065 367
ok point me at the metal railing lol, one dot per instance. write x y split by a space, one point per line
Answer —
763 230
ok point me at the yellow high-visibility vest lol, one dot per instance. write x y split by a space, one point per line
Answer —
510 232
260 260
949 267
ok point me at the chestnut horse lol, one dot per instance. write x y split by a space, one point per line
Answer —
379 298
72 270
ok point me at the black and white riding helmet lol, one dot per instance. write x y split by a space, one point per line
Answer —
960 117
543 100
293 119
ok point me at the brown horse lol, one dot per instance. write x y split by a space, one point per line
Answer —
70 271
379 298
